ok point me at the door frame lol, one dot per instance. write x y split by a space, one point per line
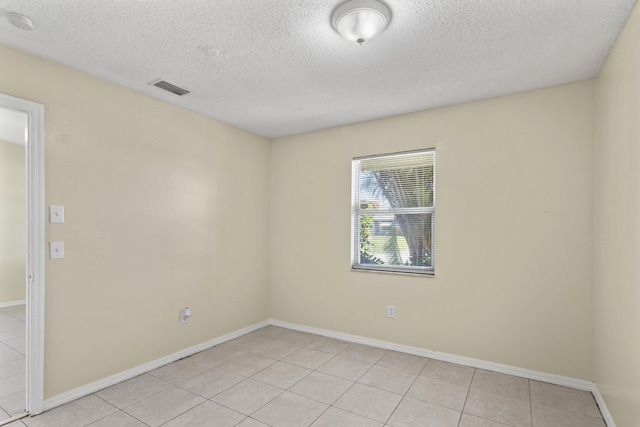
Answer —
34 274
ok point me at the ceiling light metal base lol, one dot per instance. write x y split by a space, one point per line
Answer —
361 20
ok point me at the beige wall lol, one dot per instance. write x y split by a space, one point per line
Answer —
513 232
617 229
13 226
164 209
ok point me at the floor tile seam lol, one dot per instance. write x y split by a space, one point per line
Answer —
397 369
4 312
11 375
383 389
181 380
444 380
270 400
290 364
379 348
367 361
464 411
411 386
337 376
17 362
4 343
493 420
466 399
299 366
124 408
568 411
348 379
276 358
460 417
22 329
205 397
487 419
438 405
249 417
400 371
357 360
210 368
356 414
11 394
327 361
593 400
237 373
11 326
479 382
343 393
318 417
277 386
194 407
330 352
500 394
108 415
353 382
394 410
310 398
323 351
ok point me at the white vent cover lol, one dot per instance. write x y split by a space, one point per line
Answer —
162 84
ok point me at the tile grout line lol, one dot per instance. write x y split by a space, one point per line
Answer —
106 416
466 399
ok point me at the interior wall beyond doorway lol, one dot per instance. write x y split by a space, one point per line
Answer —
12 223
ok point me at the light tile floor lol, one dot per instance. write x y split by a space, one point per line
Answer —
12 361
279 377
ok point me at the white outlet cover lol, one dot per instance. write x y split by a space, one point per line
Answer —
56 214
185 315
56 250
391 311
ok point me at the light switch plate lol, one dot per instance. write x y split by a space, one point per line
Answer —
56 250
56 214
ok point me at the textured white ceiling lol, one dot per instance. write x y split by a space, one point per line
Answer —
277 67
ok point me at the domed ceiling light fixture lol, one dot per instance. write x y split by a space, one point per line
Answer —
20 21
360 20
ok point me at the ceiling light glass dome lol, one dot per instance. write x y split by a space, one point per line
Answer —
361 20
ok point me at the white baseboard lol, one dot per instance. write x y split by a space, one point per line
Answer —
95 386
13 303
460 360
606 415
467 361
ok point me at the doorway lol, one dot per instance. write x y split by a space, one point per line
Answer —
13 262
24 303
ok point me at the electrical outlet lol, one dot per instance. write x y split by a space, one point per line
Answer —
185 315
391 311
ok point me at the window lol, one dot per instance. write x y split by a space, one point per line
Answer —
393 212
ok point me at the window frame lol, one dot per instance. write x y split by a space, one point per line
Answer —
357 211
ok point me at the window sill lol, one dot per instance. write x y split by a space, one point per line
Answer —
430 273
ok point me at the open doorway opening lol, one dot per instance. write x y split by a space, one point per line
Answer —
21 257
13 263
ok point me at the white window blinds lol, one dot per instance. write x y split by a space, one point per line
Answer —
393 212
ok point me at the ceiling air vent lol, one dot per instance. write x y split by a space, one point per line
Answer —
169 87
